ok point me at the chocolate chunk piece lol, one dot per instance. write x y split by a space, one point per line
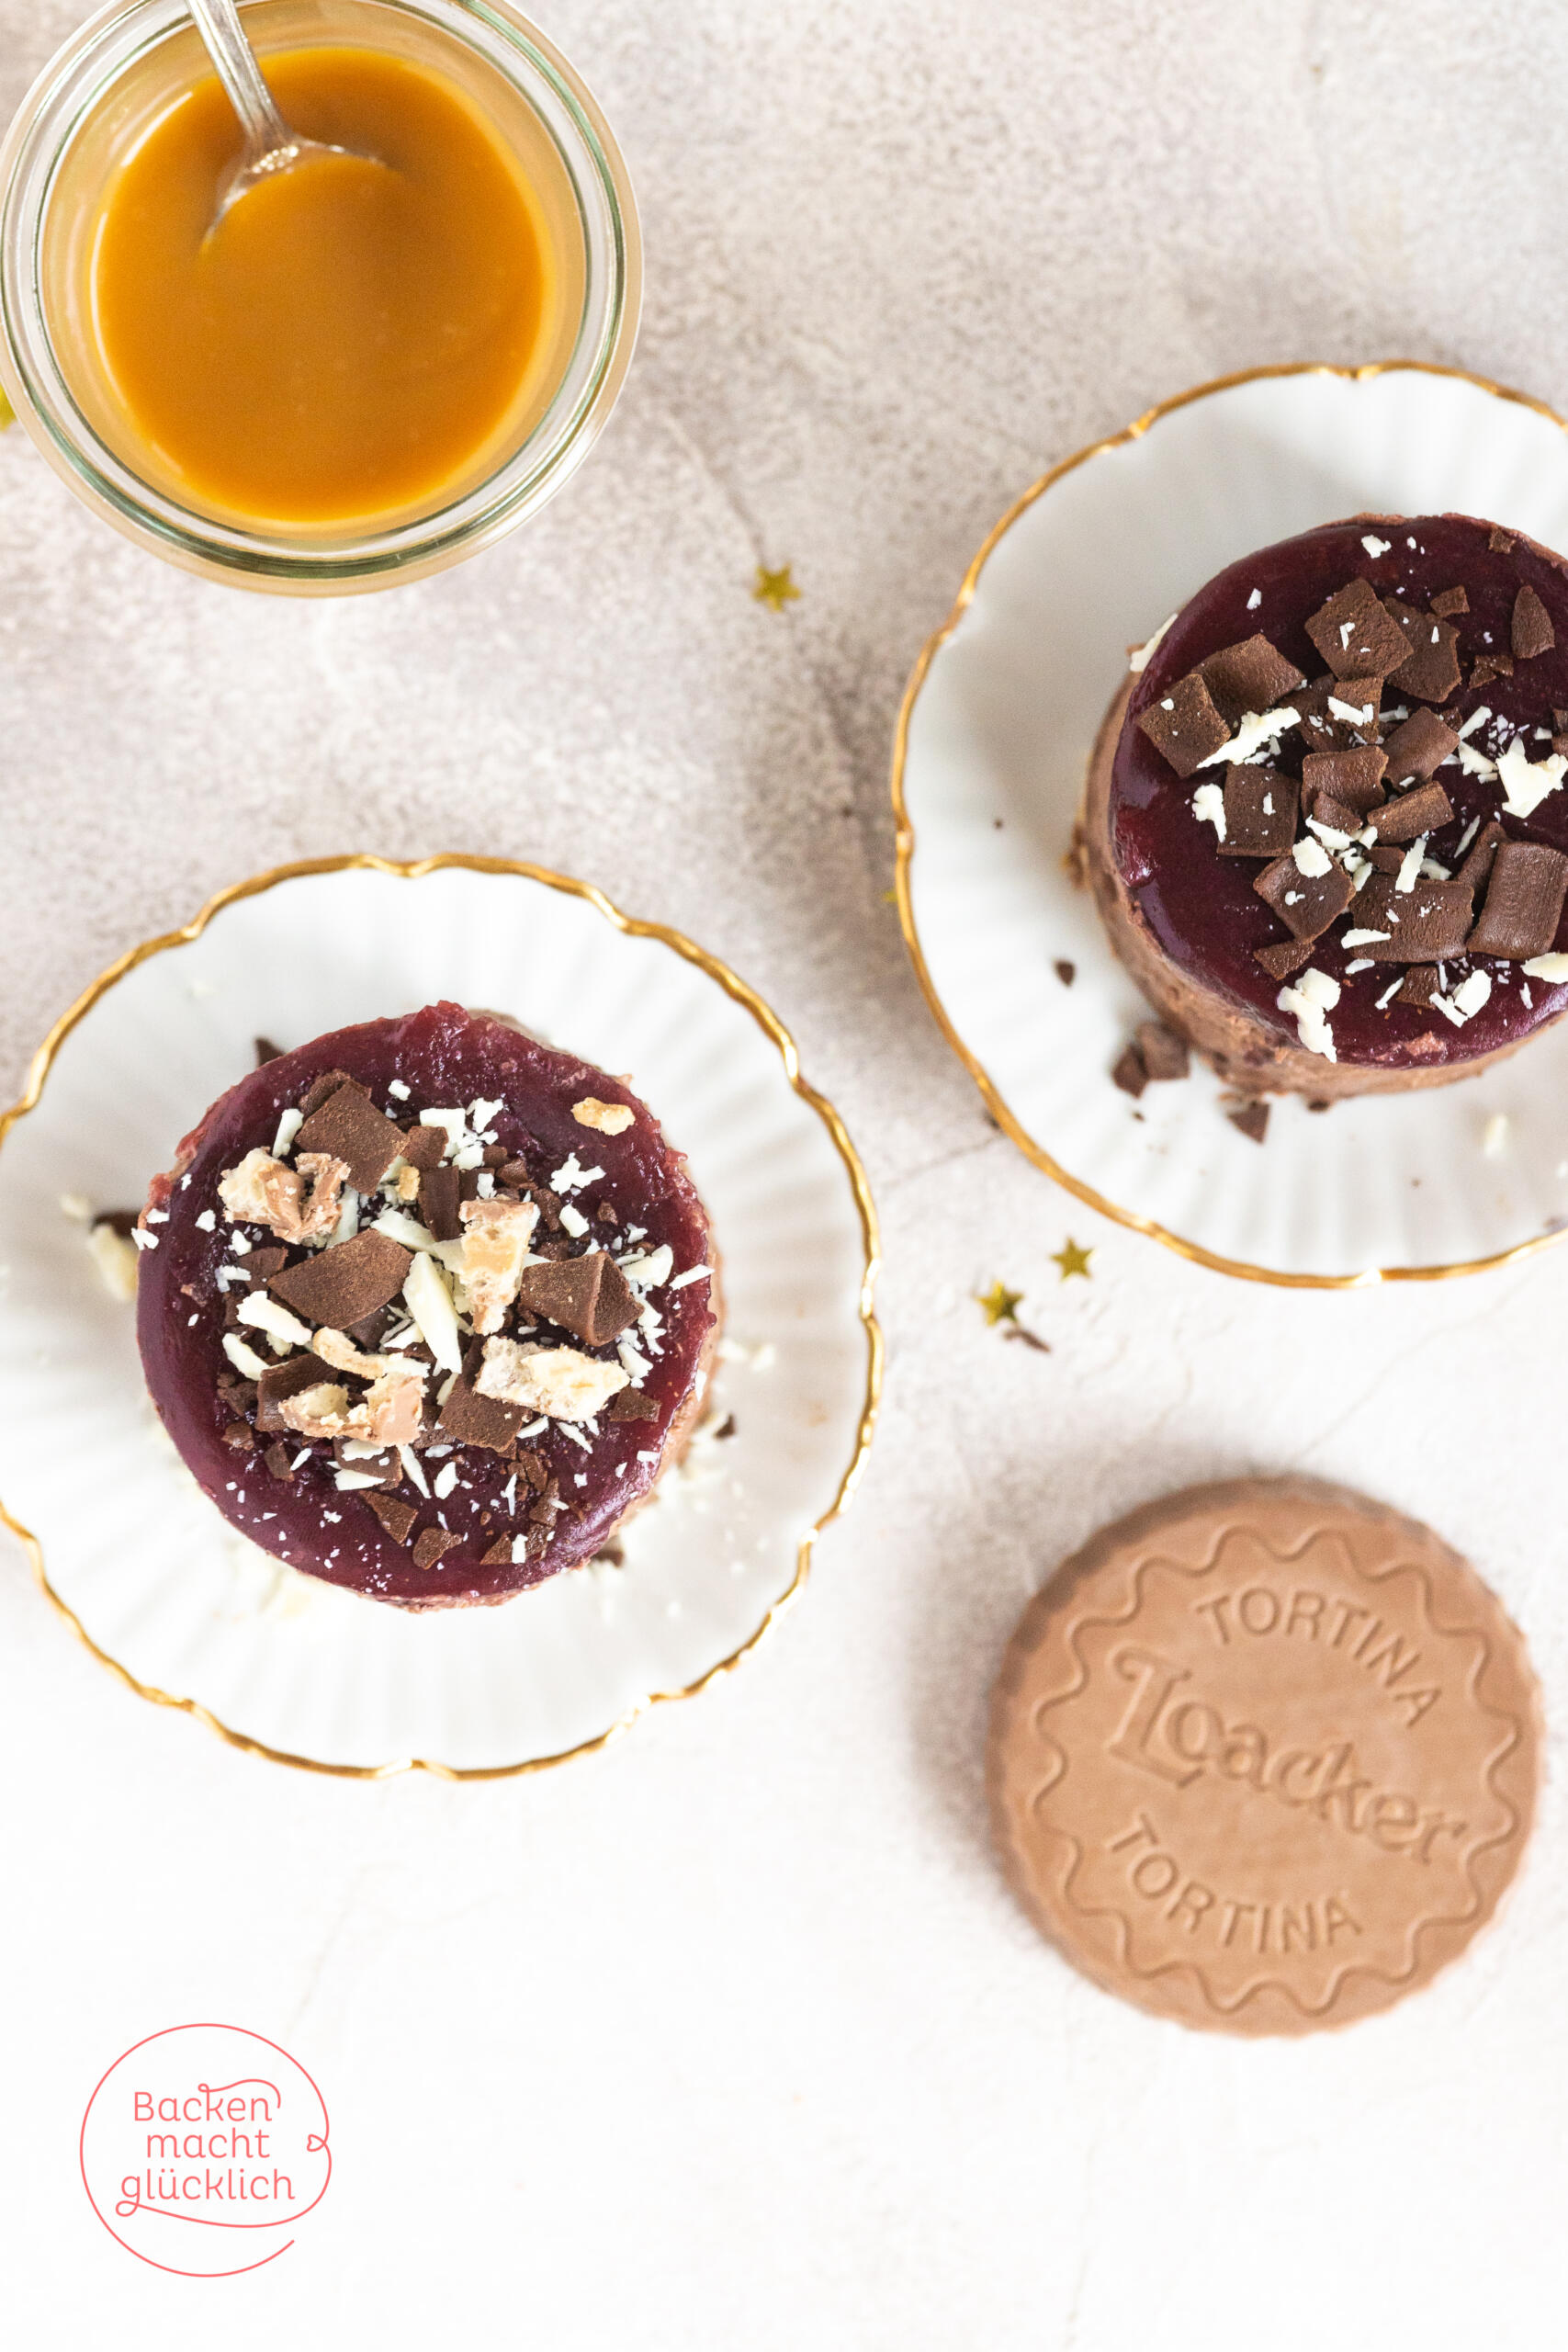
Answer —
1355 635
1523 901
440 1192
1283 956
1387 860
261 1265
1430 669
1184 725
1531 631
469 1419
280 1461
1449 601
1410 813
1166 1054
281 1381
240 1435
631 1405
1066 972
500 1553
1337 818
514 1176
1252 676
588 1297
1127 1071
349 1127
321 1089
1418 747
1260 813
337 1287
1426 925
1251 1118
1501 542
1352 720
423 1146
1477 867
430 1544
1489 666
1306 903
267 1052
1418 986
1352 777
397 1517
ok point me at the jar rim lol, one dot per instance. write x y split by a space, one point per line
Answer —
74 84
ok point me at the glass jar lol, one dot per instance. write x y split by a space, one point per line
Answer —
97 98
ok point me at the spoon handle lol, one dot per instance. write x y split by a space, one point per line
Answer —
218 22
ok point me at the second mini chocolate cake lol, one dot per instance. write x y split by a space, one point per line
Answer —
1325 823
427 1307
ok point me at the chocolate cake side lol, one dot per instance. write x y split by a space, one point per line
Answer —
1359 887
428 1307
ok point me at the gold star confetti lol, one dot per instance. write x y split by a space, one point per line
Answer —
1001 1304
775 589
1072 1259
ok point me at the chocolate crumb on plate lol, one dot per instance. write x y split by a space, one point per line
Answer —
1128 1072
1165 1055
1066 972
1250 1118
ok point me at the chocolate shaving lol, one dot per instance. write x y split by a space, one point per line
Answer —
1387 861
1501 542
421 1147
1128 1072
337 1287
440 1192
469 1419
1325 810
1306 903
1251 676
1524 902
1531 631
534 1469
1418 986
1260 813
1450 602
1166 1054
632 1405
267 1052
1426 925
1418 746
1322 731
605 1212
279 1460
1489 666
1477 867
515 1177
321 1089
588 1297
262 1264
430 1544
1430 669
239 1434
1283 956
500 1554
1421 811
281 1381
349 1127
1356 635
397 1517
1353 777
1184 725
1251 1119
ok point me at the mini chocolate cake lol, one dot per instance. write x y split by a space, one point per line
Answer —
427 1307
1325 822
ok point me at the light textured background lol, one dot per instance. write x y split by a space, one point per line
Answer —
733 2037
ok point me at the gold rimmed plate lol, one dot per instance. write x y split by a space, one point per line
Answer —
123 1541
992 744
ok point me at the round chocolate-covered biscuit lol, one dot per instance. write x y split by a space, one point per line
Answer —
426 1307
1264 1756
1326 820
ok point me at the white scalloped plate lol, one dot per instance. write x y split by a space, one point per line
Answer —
192 1614
998 722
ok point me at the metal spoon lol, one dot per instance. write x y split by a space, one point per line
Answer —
270 145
